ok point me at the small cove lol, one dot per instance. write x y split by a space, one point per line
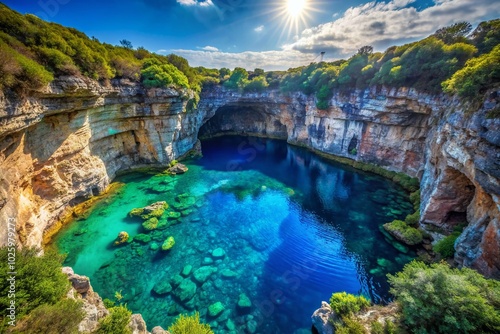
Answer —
293 228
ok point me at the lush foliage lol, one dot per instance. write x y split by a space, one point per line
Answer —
39 281
62 317
440 299
189 325
345 304
116 322
446 246
33 51
477 76
403 232
349 325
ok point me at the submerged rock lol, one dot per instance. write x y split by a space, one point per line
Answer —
202 274
168 244
122 238
186 271
216 309
244 303
218 253
186 290
143 238
162 288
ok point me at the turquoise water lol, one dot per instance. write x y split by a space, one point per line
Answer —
289 228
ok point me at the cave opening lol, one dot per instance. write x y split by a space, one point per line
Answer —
242 119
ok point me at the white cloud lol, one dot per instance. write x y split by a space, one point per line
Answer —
209 48
383 24
268 60
259 29
380 24
206 3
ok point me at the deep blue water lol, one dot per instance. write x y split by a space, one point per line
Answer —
294 228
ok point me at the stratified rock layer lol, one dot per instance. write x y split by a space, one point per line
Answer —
65 145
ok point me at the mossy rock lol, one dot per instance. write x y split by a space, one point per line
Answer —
244 303
173 215
168 244
218 253
137 212
121 238
162 288
155 210
186 271
215 309
143 238
186 290
404 233
151 224
176 280
154 246
202 274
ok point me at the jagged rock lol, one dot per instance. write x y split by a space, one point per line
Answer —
137 324
158 330
177 169
323 318
162 288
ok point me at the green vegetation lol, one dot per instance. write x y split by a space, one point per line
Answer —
189 325
440 299
387 328
349 325
39 281
344 304
62 317
446 246
116 322
404 233
33 52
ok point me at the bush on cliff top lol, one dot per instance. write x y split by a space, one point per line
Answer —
38 281
116 322
189 325
344 304
440 299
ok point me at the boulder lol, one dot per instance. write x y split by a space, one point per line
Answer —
162 287
202 274
215 310
218 253
158 330
186 271
121 238
186 290
178 169
323 319
137 324
244 303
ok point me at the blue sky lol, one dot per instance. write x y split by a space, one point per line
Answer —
270 34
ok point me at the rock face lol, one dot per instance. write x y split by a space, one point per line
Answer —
65 145
322 319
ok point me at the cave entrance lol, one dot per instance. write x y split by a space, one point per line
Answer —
451 198
243 120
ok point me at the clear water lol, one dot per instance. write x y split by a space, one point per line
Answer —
294 228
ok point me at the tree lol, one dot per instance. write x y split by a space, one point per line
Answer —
126 44
365 50
440 299
238 79
454 33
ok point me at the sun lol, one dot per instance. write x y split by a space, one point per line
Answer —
295 7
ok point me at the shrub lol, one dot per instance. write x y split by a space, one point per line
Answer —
446 246
257 85
189 325
349 325
404 233
345 304
413 219
415 199
62 317
116 322
39 281
440 299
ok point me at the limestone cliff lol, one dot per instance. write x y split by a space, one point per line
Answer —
63 146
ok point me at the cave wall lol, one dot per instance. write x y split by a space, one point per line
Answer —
66 144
